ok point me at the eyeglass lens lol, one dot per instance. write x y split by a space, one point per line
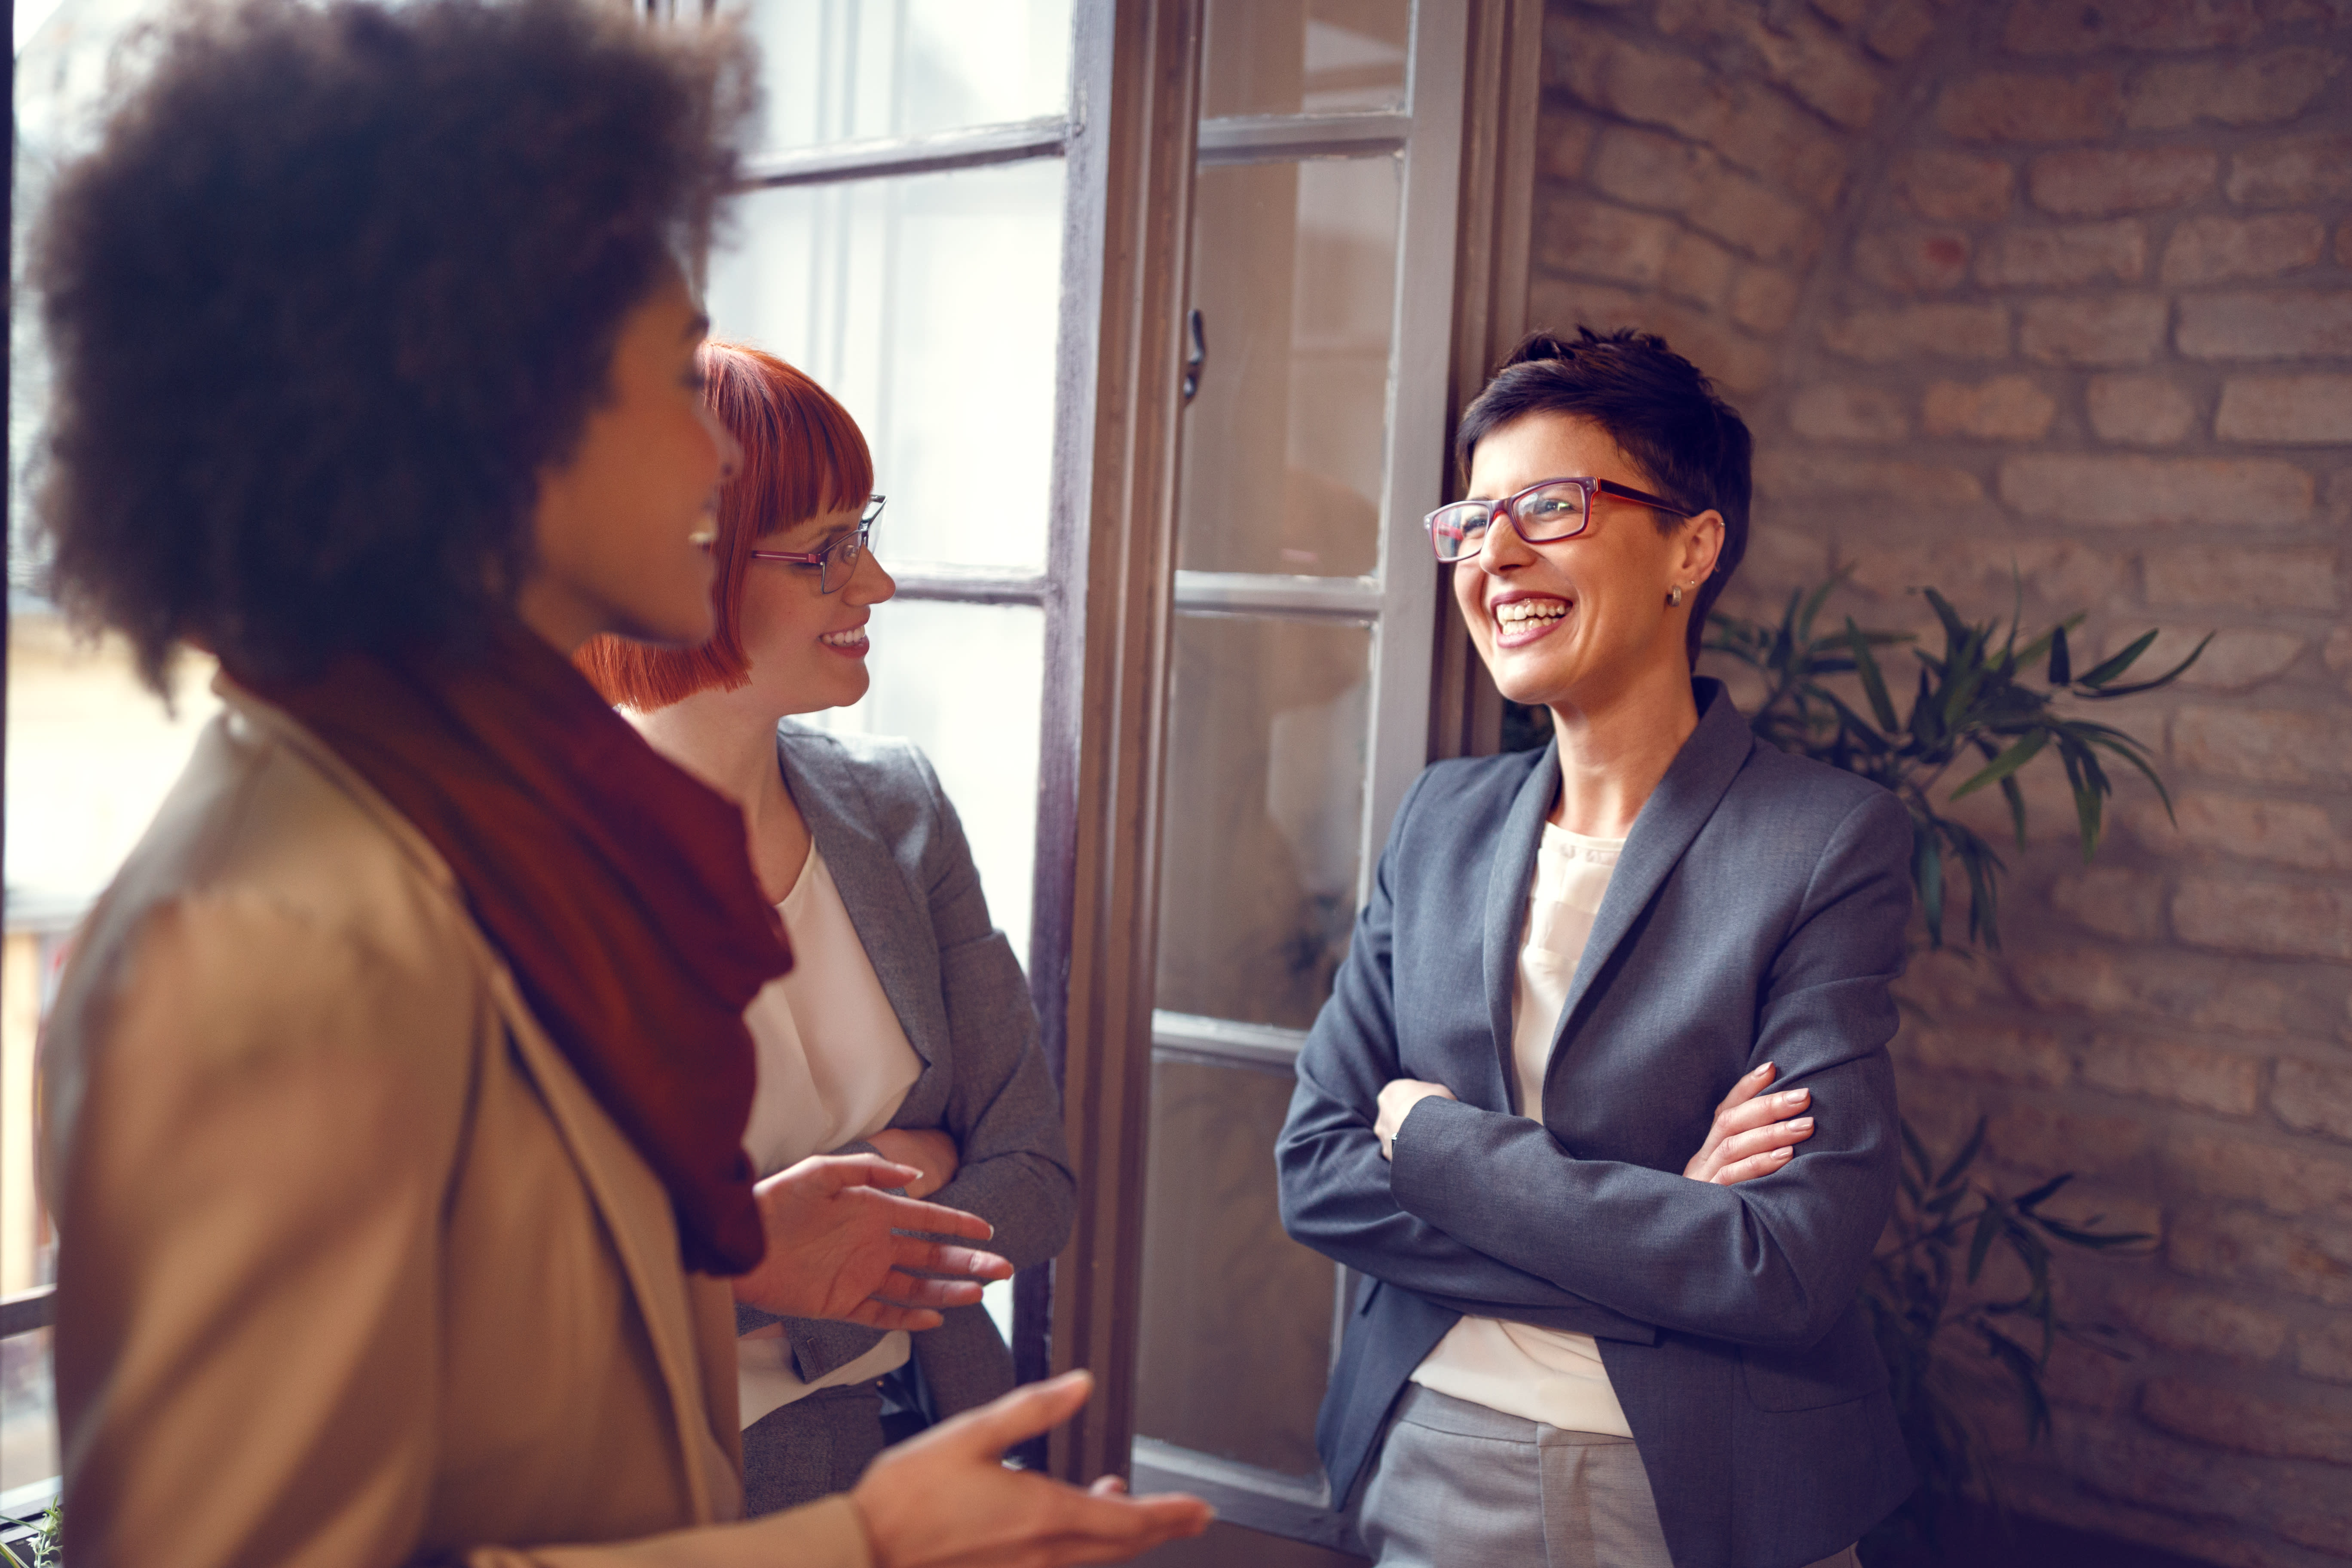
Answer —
1542 516
841 561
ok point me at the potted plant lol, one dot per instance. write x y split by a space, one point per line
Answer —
1980 711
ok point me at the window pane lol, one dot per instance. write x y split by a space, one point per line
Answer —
28 1430
1312 57
836 70
1294 272
929 305
1266 801
966 683
1237 1330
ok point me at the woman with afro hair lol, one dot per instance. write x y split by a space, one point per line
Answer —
395 1092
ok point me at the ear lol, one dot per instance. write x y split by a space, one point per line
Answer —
1701 547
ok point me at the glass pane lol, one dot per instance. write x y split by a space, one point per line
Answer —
28 1416
966 682
838 70
930 305
1294 272
1236 1332
1311 57
1265 804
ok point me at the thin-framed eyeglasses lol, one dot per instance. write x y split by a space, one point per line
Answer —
838 561
1544 513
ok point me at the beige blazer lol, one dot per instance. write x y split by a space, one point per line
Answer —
353 1270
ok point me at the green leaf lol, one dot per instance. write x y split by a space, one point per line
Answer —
1989 1226
2061 663
1956 630
2016 799
2026 1205
2112 667
1961 1161
1926 726
1927 876
1813 602
1873 683
2008 763
2167 679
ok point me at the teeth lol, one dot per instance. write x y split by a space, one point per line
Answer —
850 638
1525 612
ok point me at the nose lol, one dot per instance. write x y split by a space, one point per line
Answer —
1500 548
869 584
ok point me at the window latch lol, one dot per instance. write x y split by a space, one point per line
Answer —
1196 355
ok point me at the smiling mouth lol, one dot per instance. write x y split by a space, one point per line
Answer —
1527 614
853 637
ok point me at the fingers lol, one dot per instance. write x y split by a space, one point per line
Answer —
1761 1111
1747 1170
875 1313
912 1214
1027 1412
1748 1087
829 1173
916 1256
899 1290
1760 1153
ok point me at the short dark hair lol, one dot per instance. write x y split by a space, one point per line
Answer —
1660 409
338 284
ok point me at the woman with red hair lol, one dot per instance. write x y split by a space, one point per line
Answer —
906 1028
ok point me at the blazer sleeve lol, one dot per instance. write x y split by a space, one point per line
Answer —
1014 1163
249 1350
1770 1262
1335 1187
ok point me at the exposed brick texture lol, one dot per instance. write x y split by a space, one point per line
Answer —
2058 296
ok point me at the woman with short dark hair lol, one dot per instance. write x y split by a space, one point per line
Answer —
396 1088
1578 963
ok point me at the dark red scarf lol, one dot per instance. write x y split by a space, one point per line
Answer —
618 887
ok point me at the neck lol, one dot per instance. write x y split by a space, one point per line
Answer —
730 745
1612 753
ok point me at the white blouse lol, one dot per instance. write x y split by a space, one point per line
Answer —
835 1064
1540 1374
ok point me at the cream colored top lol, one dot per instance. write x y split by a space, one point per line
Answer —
835 1064
1540 1374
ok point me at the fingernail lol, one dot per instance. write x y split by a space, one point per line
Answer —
1782 1153
1760 1072
1796 1097
1801 1124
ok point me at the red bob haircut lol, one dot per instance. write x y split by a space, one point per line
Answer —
803 456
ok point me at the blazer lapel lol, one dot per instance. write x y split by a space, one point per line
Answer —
1506 907
1671 818
894 932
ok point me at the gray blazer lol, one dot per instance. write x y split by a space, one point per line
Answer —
1757 914
897 854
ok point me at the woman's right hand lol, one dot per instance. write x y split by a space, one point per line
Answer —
1745 1142
945 1499
838 1247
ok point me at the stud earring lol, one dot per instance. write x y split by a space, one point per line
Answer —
1674 597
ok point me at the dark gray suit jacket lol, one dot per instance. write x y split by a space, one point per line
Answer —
1757 914
897 854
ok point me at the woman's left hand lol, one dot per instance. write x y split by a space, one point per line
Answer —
1745 1142
927 1149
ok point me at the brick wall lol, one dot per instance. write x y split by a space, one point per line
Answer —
2066 286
